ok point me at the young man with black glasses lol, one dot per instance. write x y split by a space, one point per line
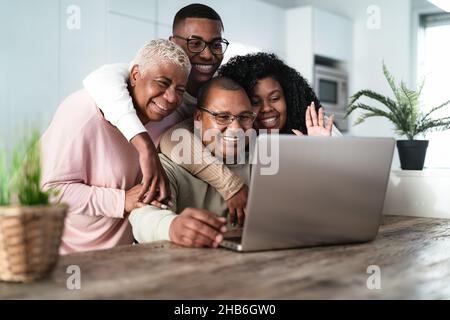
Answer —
198 30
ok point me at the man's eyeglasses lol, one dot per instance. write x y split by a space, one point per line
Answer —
194 45
245 119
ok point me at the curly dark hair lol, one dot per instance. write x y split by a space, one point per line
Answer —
247 70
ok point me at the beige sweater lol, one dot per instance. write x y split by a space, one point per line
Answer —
209 170
152 224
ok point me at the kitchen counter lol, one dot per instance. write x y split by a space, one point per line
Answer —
418 194
412 254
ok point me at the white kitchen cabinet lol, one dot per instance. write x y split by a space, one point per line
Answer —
418 193
299 40
332 36
313 32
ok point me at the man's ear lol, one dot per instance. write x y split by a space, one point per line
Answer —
134 75
198 115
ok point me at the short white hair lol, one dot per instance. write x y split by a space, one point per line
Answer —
160 51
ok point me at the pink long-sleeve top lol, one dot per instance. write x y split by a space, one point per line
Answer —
91 164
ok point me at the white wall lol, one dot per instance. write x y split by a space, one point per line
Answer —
29 73
249 22
42 61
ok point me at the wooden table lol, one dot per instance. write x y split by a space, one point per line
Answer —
413 255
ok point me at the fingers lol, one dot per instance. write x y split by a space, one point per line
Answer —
321 117
150 196
163 185
208 218
224 221
139 205
308 119
204 230
194 228
164 189
240 216
330 124
196 240
298 133
312 110
160 205
232 216
145 185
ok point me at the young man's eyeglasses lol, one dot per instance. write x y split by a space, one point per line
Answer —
245 119
195 45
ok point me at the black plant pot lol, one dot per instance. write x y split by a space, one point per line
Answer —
412 153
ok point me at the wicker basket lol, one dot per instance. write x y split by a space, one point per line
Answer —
29 241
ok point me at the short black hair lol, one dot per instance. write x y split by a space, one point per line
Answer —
220 83
197 10
249 69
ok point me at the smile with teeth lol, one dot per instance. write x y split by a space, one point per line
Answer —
207 68
269 121
230 139
163 109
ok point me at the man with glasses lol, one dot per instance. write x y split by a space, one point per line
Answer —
198 30
224 118
227 148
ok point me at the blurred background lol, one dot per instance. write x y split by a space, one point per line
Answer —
47 47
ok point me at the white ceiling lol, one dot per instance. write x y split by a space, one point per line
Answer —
283 3
297 3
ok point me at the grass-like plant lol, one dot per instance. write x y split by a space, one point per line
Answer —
20 182
5 198
404 112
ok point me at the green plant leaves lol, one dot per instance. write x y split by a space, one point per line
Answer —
404 113
391 80
4 181
22 180
437 108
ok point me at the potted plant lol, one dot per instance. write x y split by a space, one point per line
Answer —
30 227
404 112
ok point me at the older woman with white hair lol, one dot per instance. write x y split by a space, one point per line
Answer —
91 164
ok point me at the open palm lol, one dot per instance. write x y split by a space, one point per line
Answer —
315 123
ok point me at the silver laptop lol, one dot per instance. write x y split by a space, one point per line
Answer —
327 191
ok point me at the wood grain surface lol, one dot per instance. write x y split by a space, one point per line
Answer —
413 255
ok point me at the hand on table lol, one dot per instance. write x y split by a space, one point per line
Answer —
198 229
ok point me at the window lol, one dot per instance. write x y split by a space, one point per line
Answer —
434 65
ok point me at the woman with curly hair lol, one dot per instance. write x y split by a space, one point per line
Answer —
284 99
284 102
